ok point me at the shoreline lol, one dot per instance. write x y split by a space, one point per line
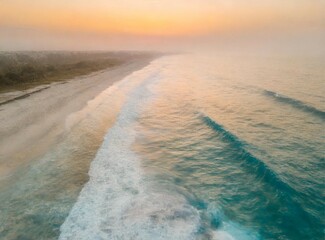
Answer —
33 121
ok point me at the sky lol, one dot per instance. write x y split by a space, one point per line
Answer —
153 24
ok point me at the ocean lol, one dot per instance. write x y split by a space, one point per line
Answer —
189 147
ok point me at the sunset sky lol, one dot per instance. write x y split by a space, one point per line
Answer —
105 23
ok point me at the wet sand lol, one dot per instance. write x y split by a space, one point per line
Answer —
33 121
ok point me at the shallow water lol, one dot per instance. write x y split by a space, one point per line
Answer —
198 147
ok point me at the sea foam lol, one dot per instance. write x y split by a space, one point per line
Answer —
116 203
121 202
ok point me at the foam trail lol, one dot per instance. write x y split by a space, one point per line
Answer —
117 203
295 103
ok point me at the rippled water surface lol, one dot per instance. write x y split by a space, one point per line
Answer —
194 147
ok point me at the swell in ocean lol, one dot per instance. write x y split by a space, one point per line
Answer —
253 163
285 193
295 103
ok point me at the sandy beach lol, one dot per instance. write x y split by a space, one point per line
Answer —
34 120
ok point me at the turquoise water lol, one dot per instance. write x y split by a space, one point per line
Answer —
200 147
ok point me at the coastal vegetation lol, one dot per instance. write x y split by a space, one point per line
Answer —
23 70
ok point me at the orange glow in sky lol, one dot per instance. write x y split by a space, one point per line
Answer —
154 17
154 24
